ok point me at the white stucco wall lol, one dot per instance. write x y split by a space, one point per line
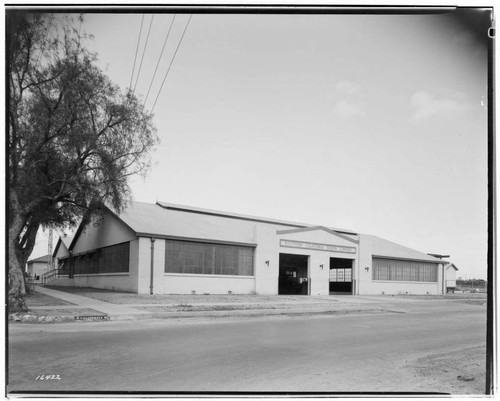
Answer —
63 281
441 279
319 277
451 276
364 281
207 284
110 281
266 274
269 248
144 261
402 287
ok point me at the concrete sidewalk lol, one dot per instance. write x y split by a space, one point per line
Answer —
111 311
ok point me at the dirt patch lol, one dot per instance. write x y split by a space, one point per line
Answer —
131 298
455 296
37 299
202 308
460 371
66 312
479 302
466 295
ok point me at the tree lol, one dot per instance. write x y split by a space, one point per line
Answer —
74 137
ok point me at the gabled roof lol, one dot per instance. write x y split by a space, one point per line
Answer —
143 217
388 249
451 265
164 219
150 218
41 259
65 240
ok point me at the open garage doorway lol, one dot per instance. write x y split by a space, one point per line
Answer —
340 276
293 276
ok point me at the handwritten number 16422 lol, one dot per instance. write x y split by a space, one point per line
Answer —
48 377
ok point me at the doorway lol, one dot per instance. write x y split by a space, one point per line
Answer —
340 276
293 274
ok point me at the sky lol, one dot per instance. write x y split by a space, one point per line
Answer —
372 123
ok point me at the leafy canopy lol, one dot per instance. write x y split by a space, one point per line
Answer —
74 137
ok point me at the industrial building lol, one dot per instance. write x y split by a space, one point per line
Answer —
164 248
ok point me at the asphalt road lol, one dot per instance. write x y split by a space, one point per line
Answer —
349 353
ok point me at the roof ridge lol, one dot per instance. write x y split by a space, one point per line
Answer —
195 209
42 258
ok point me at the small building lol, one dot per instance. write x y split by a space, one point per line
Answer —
164 248
450 274
36 267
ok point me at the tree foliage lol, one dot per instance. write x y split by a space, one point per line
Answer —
74 137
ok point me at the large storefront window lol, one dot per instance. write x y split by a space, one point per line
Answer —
200 258
403 270
111 259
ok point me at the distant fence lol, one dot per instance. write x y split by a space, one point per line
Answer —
471 286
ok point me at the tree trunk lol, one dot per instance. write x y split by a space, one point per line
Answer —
18 255
17 288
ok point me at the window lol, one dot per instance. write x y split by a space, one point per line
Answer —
403 270
63 266
341 275
200 258
114 259
111 259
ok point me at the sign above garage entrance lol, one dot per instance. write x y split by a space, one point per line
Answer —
315 246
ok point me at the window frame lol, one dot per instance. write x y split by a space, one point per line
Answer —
209 258
116 259
404 270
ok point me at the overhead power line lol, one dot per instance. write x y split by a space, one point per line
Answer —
144 51
44 43
159 58
171 62
136 51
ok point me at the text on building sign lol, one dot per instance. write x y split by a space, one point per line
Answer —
316 246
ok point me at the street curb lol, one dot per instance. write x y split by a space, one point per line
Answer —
255 313
29 318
